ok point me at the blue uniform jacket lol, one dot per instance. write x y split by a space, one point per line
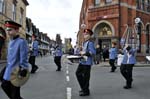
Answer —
35 48
129 58
17 56
113 53
58 51
88 46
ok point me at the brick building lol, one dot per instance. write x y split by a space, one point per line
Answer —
12 10
109 20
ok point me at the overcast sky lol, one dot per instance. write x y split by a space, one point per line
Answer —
56 17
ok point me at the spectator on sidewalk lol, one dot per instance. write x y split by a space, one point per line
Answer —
98 53
105 53
76 50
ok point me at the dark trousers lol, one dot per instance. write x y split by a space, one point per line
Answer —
32 62
83 76
112 64
126 71
57 60
11 91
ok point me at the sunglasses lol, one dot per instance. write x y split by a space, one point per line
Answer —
8 29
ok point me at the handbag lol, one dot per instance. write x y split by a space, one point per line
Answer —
2 73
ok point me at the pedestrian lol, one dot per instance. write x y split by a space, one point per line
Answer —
127 65
105 53
113 56
84 67
16 57
57 57
97 56
33 53
76 50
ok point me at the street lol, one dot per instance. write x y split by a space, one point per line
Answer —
48 83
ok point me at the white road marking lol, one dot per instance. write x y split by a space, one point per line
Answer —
67 78
68 93
67 72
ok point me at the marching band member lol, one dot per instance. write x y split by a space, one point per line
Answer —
84 67
127 65
112 56
17 56
57 57
33 54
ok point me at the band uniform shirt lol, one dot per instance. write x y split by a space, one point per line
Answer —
35 48
58 51
113 53
129 57
88 46
17 56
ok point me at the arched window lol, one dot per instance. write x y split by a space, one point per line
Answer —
105 30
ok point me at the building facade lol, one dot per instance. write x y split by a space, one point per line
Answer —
12 10
43 39
109 20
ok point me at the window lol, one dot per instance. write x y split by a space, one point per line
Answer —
14 12
105 30
21 16
143 5
97 2
2 6
137 4
148 5
108 1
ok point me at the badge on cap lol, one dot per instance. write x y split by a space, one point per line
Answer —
12 24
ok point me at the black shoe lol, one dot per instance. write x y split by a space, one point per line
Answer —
84 94
58 69
112 71
34 69
127 87
81 91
